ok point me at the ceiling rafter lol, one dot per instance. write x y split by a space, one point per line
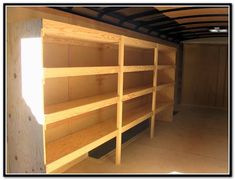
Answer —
189 23
109 10
156 11
202 33
135 23
195 28
169 20
203 36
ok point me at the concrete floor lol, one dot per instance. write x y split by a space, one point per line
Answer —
195 142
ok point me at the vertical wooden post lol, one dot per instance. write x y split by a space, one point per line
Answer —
119 104
154 93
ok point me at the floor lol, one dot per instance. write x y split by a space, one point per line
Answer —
195 142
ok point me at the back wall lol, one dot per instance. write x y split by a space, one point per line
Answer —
205 75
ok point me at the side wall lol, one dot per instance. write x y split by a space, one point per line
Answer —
25 98
205 75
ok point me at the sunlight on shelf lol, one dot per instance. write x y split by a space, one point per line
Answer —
31 76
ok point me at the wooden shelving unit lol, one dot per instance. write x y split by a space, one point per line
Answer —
95 86
166 82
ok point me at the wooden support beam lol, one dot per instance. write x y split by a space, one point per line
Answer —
120 103
152 125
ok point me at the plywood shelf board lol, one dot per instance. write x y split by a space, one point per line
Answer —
78 71
69 109
136 92
60 151
164 67
138 68
133 117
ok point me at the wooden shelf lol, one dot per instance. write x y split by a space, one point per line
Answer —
164 85
69 109
136 92
160 106
161 67
78 71
70 147
136 116
138 68
69 31
139 43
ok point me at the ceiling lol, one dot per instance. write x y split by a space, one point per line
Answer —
171 23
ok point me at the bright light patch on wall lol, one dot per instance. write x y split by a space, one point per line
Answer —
218 30
31 76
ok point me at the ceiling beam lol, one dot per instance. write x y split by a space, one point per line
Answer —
109 10
202 36
174 27
195 28
135 23
157 20
162 27
193 32
152 12
203 33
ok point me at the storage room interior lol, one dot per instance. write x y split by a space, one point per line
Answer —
117 89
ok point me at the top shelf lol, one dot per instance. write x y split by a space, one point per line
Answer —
70 32
65 30
128 41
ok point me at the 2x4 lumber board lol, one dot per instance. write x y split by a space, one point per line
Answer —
138 68
139 43
161 67
68 148
57 112
160 106
78 71
152 125
162 86
120 103
136 116
136 92
64 30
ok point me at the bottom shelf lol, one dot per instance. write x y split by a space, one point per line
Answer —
68 148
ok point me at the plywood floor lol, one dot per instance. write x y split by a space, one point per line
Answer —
195 142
